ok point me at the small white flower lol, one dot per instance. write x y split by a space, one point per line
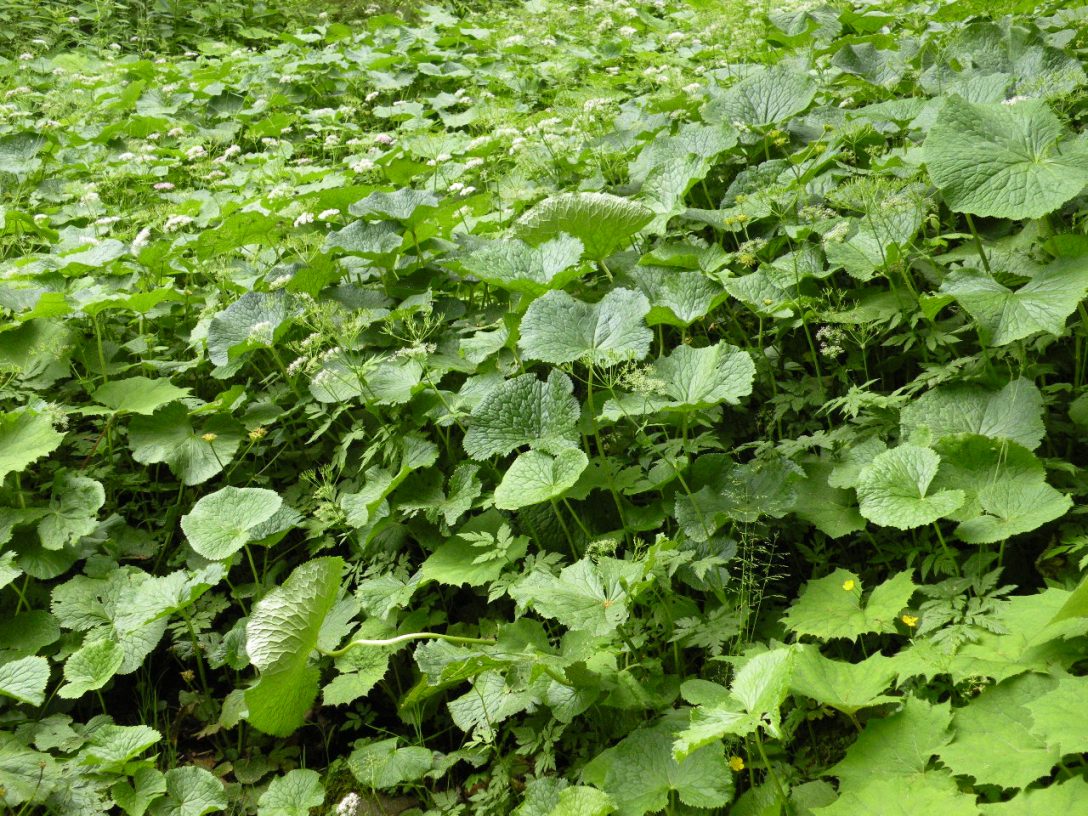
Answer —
332 140
73 20
141 240
176 222
383 139
296 365
362 166
127 156
26 56
268 141
370 97
328 215
164 186
195 152
175 132
304 218
41 218
626 31
468 191
107 220
474 162
115 46
1015 100
675 37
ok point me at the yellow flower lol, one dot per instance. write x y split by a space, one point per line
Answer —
910 620
209 437
736 763
848 585
257 433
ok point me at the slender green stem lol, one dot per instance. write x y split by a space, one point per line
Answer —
393 641
978 243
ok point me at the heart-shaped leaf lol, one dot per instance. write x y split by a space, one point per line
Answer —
557 328
1007 161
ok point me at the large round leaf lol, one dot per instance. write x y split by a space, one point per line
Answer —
557 328
599 220
1003 160
892 490
221 523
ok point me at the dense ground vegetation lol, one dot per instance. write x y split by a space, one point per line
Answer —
541 408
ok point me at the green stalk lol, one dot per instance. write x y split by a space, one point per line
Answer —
393 641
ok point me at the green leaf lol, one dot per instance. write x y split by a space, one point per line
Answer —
167 436
1000 160
366 239
112 746
585 597
724 490
138 395
993 740
599 220
677 297
556 328
1040 305
536 477
73 511
752 702
458 561
491 701
764 98
689 379
221 523
148 784
25 775
25 436
583 801
899 746
518 267
525 411
640 773
381 765
831 510
847 687
190 791
1067 797
292 794
892 489
90 668
831 607
25 679
253 321
1076 606
899 796
1061 717
360 669
281 633
1014 412
1004 485
405 205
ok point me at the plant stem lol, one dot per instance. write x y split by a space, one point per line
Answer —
393 641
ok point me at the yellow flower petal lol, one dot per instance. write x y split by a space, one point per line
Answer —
848 585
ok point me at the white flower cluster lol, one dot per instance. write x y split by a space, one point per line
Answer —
304 218
176 222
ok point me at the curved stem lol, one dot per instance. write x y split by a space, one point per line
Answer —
393 641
